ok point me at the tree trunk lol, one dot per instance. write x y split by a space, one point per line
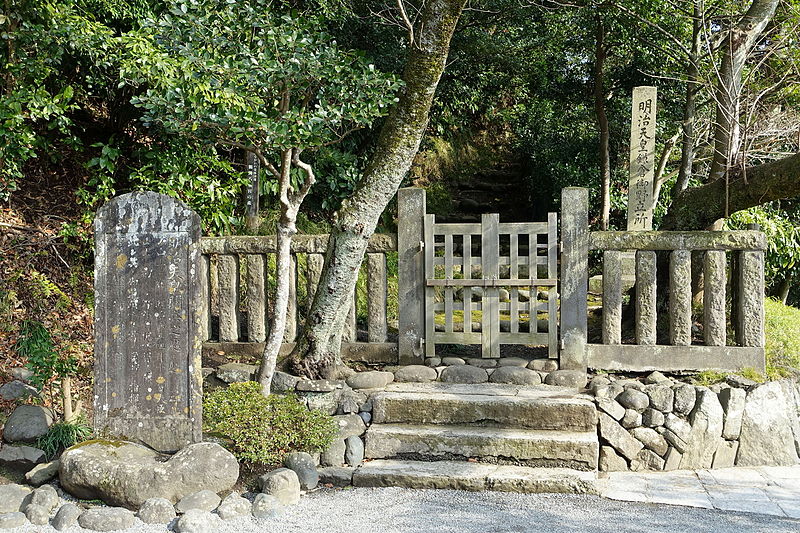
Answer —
318 350
600 54
690 106
699 207
784 288
738 42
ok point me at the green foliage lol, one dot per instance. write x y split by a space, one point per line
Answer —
706 378
782 324
36 345
751 373
62 435
262 429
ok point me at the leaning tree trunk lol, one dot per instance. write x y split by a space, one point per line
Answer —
318 351
738 42
600 54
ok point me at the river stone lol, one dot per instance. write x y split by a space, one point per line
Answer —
611 407
633 399
515 375
656 377
566 378
68 515
354 453
543 365
616 436
415 374
21 373
27 423
433 362
205 500
38 515
14 498
512 361
481 362
303 465
732 401
374 379
283 382
350 425
236 372
651 440
453 361
464 374
350 401
196 521
46 496
366 417
652 418
766 437
156 511
234 506
631 419
42 473
12 520
685 398
17 390
611 462
334 455
706 433
126 474
327 402
318 385
106 519
281 483
22 457
599 381
662 397
265 506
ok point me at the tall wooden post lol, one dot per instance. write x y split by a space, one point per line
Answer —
574 277
411 275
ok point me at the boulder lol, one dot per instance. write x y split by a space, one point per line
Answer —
334 455
283 484
265 506
126 474
415 374
566 378
21 457
42 473
651 440
67 516
156 511
611 408
350 425
106 519
354 453
196 521
234 506
327 402
45 496
12 520
634 399
685 397
464 374
236 372
618 438
373 379
350 401
17 390
515 375
662 397
27 423
652 418
766 437
305 468
14 498
732 401
706 432
205 500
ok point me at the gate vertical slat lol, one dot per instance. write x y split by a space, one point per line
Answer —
514 274
714 278
612 297
680 298
533 273
645 297
430 294
490 253
552 273
448 291
467 291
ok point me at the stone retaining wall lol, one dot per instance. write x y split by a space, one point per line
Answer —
663 424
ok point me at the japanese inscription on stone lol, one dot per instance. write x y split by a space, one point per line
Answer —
147 309
642 159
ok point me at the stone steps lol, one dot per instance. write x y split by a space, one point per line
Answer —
544 408
531 447
463 475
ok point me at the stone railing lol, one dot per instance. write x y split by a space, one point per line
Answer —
235 273
732 262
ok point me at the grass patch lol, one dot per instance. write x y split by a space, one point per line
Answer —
62 435
706 378
782 323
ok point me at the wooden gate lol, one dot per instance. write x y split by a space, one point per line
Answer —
500 265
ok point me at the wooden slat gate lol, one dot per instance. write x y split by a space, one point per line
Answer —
500 265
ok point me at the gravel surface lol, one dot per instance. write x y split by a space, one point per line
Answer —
409 511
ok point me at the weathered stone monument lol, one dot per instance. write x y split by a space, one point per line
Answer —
642 159
148 303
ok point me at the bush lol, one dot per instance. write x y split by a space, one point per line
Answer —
263 430
62 435
783 337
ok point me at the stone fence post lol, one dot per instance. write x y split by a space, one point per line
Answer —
411 275
574 277
149 305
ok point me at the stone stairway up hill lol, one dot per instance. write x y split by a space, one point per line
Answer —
482 437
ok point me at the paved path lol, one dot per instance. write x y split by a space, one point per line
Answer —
769 490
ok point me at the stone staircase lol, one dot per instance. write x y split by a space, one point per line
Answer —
481 437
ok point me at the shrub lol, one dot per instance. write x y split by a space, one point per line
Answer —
62 435
262 429
783 337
